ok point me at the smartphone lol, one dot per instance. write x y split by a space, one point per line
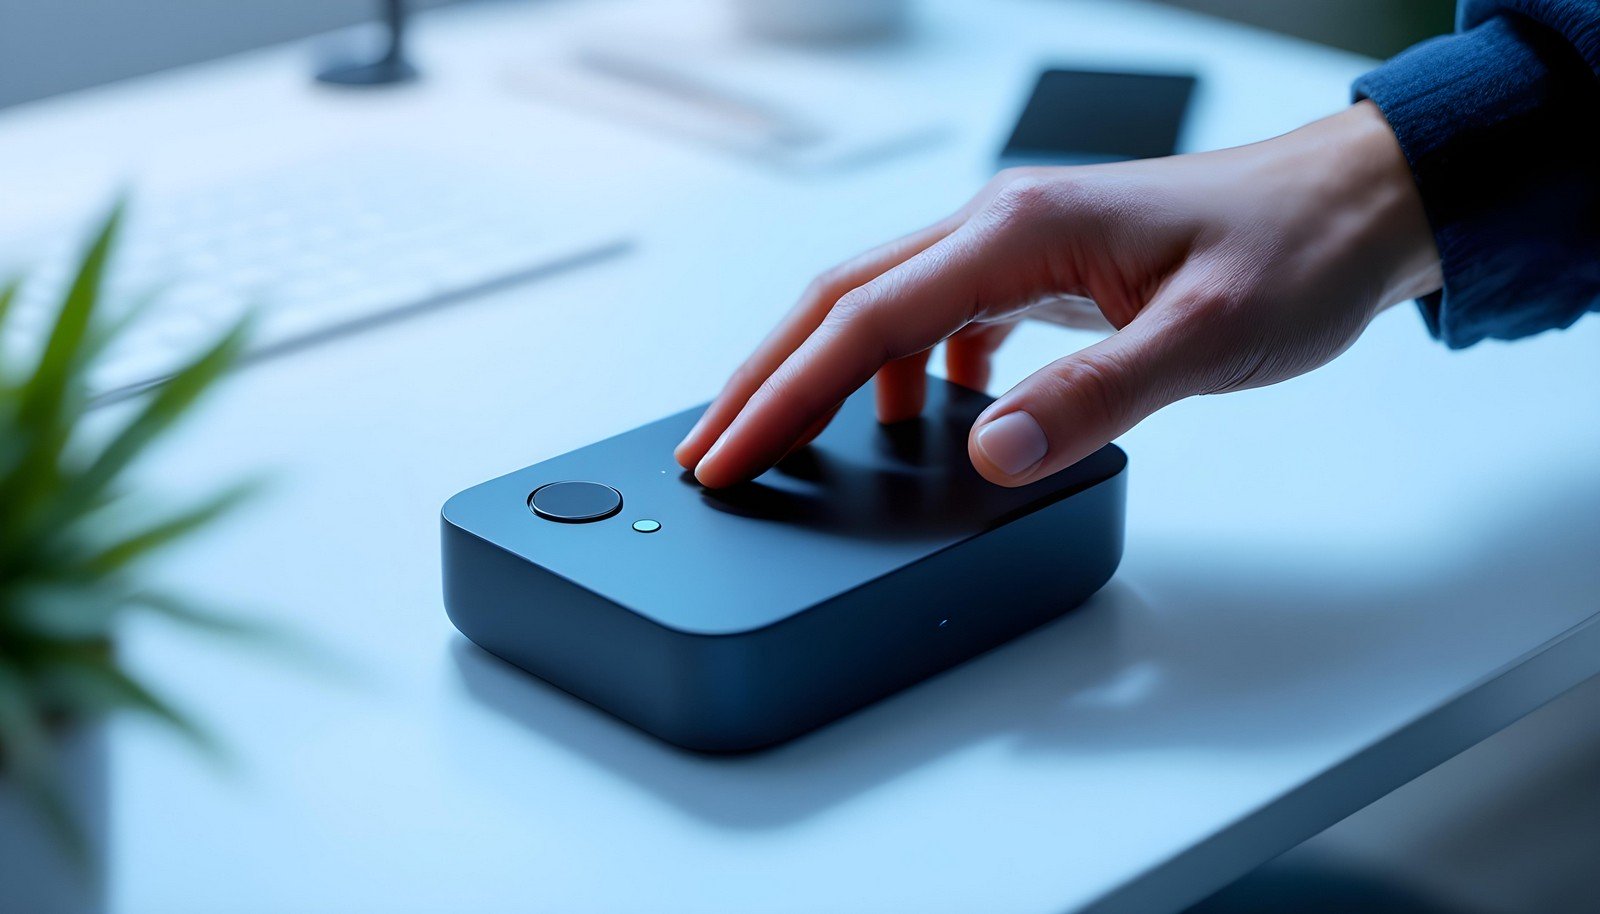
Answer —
1076 117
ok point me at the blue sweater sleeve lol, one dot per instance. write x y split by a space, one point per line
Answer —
1498 123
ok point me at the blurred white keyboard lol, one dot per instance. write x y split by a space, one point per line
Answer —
314 250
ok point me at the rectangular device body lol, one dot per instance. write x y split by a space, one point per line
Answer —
728 620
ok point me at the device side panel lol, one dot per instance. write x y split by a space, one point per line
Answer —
931 616
735 693
566 635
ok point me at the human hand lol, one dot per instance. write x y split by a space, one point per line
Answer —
1220 271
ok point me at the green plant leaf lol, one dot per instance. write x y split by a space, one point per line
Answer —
102 336
180 610
12 447
166 405
64 583
284 643
65 611
77 679
118 555
50 402
8 295
57 365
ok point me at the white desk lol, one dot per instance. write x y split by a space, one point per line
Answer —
1330 586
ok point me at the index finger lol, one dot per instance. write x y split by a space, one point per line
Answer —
801 321
910 308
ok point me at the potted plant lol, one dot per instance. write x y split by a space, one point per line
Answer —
69 574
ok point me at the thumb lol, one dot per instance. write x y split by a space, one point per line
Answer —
1072 407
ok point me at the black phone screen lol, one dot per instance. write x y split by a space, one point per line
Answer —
1078 116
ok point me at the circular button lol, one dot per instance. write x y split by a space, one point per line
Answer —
646 525
575 502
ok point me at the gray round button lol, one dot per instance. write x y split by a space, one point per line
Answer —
575 502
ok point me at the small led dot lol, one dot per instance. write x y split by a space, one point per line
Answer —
646 525
943 622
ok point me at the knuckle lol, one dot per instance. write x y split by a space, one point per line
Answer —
827 283
1093 384
771 387
859 317
1033 199
1213 299
1023 198
852 307
1004 179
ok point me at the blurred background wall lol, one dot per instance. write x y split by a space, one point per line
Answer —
52 46
1377 28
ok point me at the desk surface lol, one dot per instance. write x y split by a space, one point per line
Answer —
1330 585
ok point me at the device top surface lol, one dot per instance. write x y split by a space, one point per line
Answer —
861 501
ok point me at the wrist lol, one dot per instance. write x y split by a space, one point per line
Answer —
1370 194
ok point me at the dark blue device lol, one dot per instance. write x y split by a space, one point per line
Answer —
727 620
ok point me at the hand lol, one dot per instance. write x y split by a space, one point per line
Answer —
1221 271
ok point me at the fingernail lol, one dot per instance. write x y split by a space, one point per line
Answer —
707 462
1013 442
